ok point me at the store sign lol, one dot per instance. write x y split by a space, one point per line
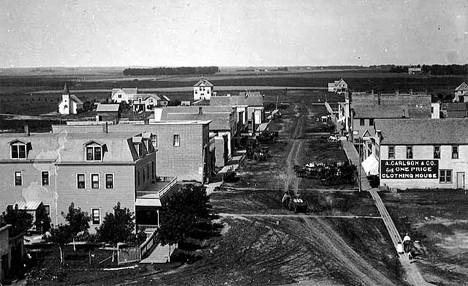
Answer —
409 169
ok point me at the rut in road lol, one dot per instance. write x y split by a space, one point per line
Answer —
291 180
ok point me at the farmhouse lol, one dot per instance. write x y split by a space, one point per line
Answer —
92 170
422 153
70 104
185 150
338 86
147 101
119 95
460 92
203 90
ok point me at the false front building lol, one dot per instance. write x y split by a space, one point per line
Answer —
422 153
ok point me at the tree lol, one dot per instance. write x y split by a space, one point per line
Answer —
19 220
42 222
60 235
78 221
118 226
182 213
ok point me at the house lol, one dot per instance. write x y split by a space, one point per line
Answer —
108 112
223 124
147 101
338 86
460 92
70 104
95 171
414 70
202 90
422 153
127 95
456 109
184 149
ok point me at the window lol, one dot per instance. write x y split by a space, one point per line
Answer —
409 152
196 91
95 181
208 91
176 141
119 96
436 152
94 153
432 109
371 121
454 152
154 140
18 178
45 178
362 122
109 181
47 209
391 152
445 176
80 181
18 151
96 216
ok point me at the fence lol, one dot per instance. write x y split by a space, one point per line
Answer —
128 254
149 243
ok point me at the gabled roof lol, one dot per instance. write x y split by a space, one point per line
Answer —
381 111
241 99
203 82
109 107
145 96
462 87
445 131
166 98
75 99
125 90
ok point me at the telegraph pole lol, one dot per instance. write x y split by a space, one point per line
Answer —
359 164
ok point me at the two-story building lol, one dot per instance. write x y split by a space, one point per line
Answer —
203 90
119 95
461 92
338 86
147 102
422 153
92 170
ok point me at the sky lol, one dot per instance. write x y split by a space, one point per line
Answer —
74 33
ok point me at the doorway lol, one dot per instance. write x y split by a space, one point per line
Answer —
460 180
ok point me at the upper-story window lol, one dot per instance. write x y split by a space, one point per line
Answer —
176 141
371 121
18 150
409 152
391 152
362 122
437 152
94 151
454 152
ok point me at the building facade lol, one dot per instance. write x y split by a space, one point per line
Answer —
70 104
119 95
203 90
422 153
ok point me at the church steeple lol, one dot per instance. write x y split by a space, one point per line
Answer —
65 89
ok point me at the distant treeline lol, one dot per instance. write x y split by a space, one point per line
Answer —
434 69
171 71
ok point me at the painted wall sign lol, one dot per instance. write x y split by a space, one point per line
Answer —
409 169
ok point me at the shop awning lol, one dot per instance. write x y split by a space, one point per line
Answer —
371 165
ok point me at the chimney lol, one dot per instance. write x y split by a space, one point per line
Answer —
200 110
26 130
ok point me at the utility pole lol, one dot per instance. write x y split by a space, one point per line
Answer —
359 164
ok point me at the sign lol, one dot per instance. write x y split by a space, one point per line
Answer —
409 169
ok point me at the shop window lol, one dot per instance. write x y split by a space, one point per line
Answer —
445 176
436 152
45 178
409 152
18 178
95 181
96 216
391 152
454 152
18 150
80 181
176 141
109 181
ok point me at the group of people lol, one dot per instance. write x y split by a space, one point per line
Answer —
406 246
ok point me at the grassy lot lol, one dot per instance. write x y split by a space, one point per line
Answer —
436 218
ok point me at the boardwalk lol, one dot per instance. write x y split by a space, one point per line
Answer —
413 276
